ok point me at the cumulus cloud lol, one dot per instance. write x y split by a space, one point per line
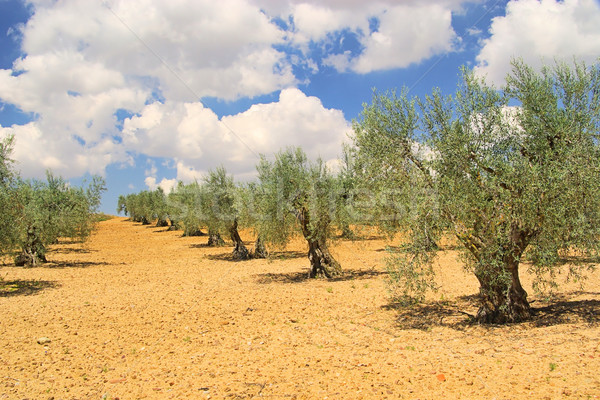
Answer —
392 34
198 140
539 32
86 64
406 35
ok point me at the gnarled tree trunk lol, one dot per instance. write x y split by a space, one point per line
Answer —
240 252
503 299
215 239
193 232
33 252
260 251
162 222
322 263
174 225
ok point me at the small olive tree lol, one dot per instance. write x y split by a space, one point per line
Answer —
219 209
295 194
37 213
53 209
185 207
512 174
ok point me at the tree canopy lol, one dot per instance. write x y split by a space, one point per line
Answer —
298 195
37 213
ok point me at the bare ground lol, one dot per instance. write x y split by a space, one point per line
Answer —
139 312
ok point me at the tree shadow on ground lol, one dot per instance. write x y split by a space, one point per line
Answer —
299 277
460 313
72 251
287 255
224 257
273 256
71 264
24 287
206 246
562 310
69 241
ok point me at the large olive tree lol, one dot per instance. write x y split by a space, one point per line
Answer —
512 174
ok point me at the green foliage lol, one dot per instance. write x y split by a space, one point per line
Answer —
218 208
508 172
36 213
290 185
185 204
145 206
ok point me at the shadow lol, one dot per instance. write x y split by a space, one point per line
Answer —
206 246
69 241
291 277
393 249
352 274
287 255
566 312
69 264
299 277
460 312
424 316
72 251
580 260
24 287
224 257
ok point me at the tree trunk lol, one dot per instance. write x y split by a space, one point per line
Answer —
240 252
322 263
260 251
33 251
193 232
161 222
215 239
174 225
503 299
145 221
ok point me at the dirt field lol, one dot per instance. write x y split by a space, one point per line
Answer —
139 312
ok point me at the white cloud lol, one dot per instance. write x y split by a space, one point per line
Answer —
196 138
409 31
36 152
539 32
407 35
86 61
166 185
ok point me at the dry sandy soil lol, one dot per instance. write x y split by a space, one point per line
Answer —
139 312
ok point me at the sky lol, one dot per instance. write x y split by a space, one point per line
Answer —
146 93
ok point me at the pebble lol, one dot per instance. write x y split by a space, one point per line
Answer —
44 340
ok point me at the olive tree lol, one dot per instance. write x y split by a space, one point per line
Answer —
296 194
219 209
185 207
512 174
248 197
8 197
53 209
37 213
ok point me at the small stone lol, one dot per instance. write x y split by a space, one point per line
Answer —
44 340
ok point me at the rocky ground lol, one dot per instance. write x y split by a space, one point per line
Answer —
142 313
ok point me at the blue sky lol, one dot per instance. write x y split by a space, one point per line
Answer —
146 93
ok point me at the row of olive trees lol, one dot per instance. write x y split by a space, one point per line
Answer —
37 213
513 174
292 195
